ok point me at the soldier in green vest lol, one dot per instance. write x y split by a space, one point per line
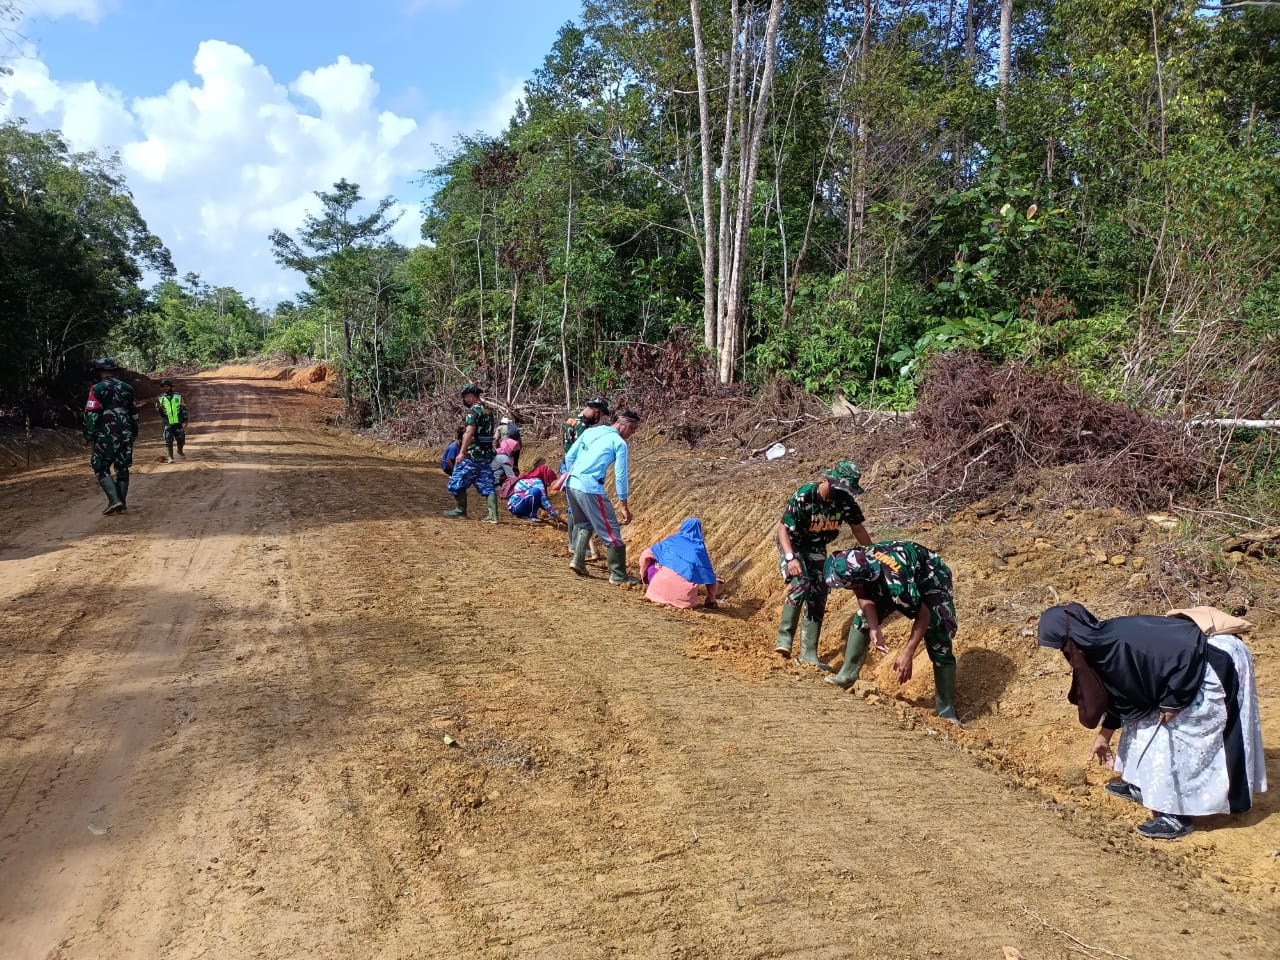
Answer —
173 414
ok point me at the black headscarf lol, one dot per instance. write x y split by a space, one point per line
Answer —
1145 663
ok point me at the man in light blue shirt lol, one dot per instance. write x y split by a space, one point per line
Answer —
587 463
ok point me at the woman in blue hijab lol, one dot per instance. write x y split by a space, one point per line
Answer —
674 568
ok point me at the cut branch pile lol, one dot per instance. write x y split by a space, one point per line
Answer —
980 427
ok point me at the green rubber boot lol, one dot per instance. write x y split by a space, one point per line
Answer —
122 488
787 629
855 652
461 509
810 631
578 564
944 695
617 558
114 503
492 516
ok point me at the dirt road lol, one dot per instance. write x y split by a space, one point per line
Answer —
283 709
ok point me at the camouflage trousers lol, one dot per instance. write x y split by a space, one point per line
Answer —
937 636
110 451
810 588
468 473
174 433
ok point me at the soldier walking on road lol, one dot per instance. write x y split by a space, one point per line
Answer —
474 466
174 414
587 463
898 576
811 522
111 424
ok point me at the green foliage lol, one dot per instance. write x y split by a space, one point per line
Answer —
72 252
191 323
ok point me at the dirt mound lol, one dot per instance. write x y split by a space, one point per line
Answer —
979 427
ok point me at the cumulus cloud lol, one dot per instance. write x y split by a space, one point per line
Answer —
217 162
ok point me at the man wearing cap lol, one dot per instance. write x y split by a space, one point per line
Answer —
111 424
592 413
899 576
474 466
587 463
811 522
173 413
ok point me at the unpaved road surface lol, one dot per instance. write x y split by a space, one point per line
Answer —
283 709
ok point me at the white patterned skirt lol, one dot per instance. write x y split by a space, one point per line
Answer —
1208 759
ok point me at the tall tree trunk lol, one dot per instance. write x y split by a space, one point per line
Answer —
736 53
511 334
751 163
564 312
704 135
1006 55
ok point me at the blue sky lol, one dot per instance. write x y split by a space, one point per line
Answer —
229 114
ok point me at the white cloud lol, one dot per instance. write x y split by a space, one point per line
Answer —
91 10
216 163
496 116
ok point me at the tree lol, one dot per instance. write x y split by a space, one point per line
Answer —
336 248
73 249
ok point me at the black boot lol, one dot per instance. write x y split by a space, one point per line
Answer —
122 488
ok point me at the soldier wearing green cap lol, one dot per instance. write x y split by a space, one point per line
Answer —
475 456
811 522
899 576
111 424
174 414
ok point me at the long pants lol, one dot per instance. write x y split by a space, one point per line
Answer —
471 472
111 451
595 510
174 432
810 588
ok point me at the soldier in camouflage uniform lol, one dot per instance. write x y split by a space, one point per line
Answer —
898 576
593 412
474 465
111 424
811 522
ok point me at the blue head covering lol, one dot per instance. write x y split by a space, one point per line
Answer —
685 553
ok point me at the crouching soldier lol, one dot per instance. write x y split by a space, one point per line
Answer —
111 424
898 576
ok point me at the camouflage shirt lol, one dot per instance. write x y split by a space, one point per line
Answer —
813 522
573 429
909 575
480 417
111 410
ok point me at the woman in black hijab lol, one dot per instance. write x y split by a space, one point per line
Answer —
1192 743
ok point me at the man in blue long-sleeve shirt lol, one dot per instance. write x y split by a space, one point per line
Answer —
587 464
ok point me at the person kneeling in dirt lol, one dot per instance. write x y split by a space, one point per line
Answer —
809 525
587 463
450 458
898 576
475 459
174 413
111 424
674 568
529 494
1187 705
